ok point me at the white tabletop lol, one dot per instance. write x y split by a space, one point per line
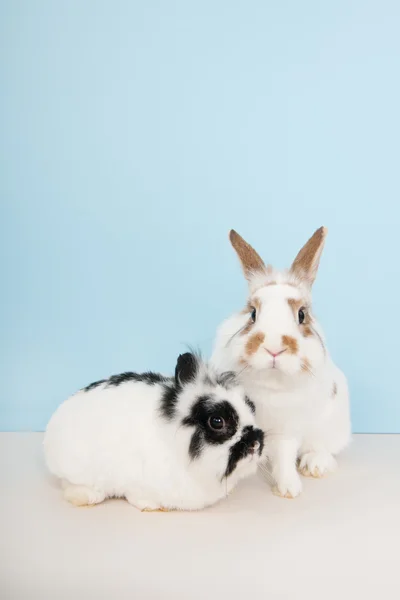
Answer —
340 539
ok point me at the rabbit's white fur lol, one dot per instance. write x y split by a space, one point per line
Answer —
113 441
301 396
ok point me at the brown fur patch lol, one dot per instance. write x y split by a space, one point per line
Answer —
295 305
251 304
334 389
271 283
246 309
250 260
305 327
290 344
305 365
307 331
305 265
254 342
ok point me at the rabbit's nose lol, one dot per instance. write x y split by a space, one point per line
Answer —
254 446
276 352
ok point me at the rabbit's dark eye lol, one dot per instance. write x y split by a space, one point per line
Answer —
302 316
216 423
253 315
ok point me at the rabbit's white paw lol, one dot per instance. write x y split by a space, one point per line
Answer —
317 464
80 495
288 486
142 504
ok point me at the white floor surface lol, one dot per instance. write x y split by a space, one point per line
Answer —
339 540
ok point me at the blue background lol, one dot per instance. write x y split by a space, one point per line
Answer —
136 134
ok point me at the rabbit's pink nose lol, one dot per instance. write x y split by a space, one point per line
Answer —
275 354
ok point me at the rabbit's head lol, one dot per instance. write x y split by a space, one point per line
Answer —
215 420
276 336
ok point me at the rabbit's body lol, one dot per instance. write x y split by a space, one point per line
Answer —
300 394
309 421
132 436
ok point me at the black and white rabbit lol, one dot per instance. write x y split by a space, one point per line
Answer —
178 442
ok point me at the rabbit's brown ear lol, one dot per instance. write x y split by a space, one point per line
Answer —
305 265
251 261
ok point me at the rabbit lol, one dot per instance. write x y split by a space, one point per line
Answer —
163 443
278 350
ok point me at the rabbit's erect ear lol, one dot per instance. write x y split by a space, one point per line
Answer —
305 265
252 263
186 368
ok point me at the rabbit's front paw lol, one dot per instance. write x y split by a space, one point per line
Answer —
288 486
80 495
143 504
317 464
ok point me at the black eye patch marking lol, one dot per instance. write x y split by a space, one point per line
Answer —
202 414
196 445
251 405
244 446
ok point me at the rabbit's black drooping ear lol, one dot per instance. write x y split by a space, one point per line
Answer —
305 265
251 262
186 368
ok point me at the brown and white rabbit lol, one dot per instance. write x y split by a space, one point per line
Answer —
277 347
